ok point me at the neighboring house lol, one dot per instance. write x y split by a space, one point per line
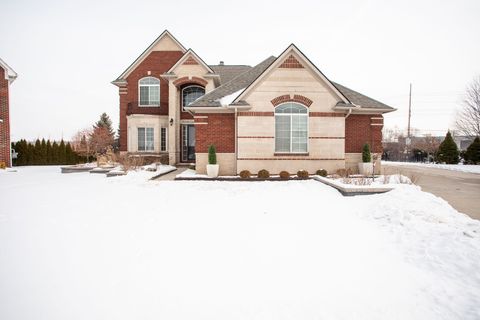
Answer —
282 114
463 142
7 76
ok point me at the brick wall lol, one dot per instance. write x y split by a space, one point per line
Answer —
157 62
217 129
5 116
359 130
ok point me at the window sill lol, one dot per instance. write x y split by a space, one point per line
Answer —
291 154
149 106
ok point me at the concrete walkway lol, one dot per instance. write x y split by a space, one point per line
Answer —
171 176
460 189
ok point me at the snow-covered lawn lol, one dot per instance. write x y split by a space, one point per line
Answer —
454 167
82 246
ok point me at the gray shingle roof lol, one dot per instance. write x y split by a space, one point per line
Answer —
239 82
228 72
360 99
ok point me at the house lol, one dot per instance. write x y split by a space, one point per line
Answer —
282 114
7 76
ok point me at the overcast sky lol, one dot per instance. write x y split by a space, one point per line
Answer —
67 52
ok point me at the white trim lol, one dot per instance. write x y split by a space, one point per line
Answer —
280 60
185 56
290 115
376 124
376 118
148 85
10 74
146 53
181 94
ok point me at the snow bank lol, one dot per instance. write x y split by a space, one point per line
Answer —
470 168
87 247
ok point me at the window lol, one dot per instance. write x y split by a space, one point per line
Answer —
149 91
145 139
163 139
190 94
291 128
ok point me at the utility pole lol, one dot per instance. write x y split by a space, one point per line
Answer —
409 111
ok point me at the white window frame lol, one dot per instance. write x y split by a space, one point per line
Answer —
145 137
149 85
166 139
290 115
189 86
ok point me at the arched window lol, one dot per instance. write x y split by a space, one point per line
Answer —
291 128
149 92
190 94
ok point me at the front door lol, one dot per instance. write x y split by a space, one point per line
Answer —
188 143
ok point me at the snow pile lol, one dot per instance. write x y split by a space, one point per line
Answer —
470 168
227 100
86 247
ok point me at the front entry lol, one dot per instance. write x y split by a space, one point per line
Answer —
188 143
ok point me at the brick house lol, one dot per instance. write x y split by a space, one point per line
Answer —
7 76
282 114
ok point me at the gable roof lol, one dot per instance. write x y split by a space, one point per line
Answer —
228 72
145 53
240 82
10 74
286 55
361 100
185 56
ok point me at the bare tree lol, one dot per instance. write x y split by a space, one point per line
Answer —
81 143
468 118
100 139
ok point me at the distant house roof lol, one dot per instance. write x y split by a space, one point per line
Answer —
10 74
241 81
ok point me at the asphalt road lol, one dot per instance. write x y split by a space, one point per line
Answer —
460 189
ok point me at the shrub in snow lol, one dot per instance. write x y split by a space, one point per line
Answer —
245 174
302 174
285 175
212 154
344 172
2 165
448 151
322 172
366 155
472 155
263 174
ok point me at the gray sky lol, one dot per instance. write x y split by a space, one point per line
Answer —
67 52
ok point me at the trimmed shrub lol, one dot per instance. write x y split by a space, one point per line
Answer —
212 154
245 174
302 174
284 175
322 173
263 174
366 155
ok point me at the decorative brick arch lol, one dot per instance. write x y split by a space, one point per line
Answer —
186 80
292 63
288 98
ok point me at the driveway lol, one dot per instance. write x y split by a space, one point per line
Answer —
460 189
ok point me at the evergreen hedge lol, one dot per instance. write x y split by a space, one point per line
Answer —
448 151
44 153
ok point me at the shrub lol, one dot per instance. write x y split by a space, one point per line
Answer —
130 162
472 155
344 173
448 151
322 172
284 175
212 154
2 165
302 174
245 174
366 156
263 174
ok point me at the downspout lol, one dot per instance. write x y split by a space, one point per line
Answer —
349 112
236 141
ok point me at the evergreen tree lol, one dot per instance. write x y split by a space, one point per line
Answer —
70 154
106 123
37 153
472 155
448 151
62 153
55 152
43 152
30 154
49 152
